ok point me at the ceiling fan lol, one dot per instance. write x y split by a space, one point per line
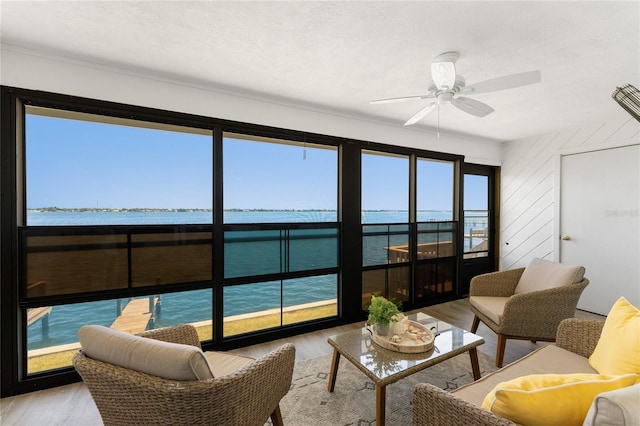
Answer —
448 87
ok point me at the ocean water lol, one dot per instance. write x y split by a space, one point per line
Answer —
194 306
69 218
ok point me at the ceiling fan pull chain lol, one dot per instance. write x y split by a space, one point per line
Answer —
438 134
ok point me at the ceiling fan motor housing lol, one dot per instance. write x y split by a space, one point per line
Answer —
457 86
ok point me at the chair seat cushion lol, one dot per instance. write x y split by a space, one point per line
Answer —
171 361
548 359
490 306
542 274
223 363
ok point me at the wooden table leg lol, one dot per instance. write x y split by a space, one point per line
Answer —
334 370
475 365
381 402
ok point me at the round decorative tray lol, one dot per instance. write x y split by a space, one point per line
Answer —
416 338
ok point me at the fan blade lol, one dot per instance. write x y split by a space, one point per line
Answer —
404 98
421 114
471 106
505 82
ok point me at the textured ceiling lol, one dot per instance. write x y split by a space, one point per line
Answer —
337 56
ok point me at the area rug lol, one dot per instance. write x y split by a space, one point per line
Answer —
353 401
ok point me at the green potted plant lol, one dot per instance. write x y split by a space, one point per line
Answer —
381 313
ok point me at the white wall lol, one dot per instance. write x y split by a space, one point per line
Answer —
34 70
528 212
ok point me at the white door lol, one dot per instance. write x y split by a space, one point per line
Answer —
599 223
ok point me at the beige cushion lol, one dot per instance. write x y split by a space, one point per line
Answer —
541 275
615 408
223 363
491 306
549 359
162 359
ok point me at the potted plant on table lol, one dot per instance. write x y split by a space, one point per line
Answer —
382 313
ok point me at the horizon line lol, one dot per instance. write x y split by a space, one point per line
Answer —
189 209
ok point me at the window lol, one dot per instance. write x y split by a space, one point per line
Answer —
111 205
279 181
85 172
436 239
70 259
85 169
184 219
382 244
434 187
280 215
476 216
279 249
271 304
52 330
385 226
385 188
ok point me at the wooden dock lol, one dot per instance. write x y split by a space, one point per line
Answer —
35 314
135 317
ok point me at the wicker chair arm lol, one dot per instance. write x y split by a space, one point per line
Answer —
433 406
260 386
185 334
579 335
499 284
538 313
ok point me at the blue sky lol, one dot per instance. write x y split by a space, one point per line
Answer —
275 176
84 164
72 164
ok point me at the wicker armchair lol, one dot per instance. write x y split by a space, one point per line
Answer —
433 406
531 316
248 396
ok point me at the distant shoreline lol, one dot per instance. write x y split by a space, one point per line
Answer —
181 210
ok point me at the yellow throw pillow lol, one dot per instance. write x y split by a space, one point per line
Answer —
551 399
618 350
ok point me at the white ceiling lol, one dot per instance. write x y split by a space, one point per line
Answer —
337 56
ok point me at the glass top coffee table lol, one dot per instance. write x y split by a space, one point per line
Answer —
385 366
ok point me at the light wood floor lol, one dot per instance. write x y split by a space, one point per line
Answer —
72 404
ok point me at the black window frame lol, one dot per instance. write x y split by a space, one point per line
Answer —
13 215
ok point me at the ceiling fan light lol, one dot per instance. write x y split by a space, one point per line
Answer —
444 74
628 97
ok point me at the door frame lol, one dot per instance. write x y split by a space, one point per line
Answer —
492 260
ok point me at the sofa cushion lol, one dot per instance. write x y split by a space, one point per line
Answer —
548 359
491 306
163 359
615 408
551 399
542 274
618 350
